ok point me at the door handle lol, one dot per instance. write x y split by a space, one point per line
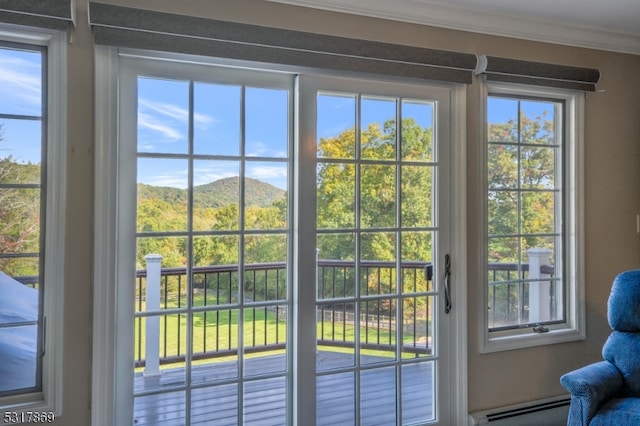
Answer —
447 283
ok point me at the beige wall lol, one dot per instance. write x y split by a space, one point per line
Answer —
612 190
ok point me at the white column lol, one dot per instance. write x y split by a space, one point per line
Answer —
152 337
538 290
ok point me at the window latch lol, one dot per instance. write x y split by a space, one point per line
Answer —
539 328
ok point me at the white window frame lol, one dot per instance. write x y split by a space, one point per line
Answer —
573 327
49 398
109 406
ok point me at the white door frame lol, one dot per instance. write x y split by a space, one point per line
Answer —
112 357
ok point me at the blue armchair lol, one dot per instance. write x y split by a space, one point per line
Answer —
608 392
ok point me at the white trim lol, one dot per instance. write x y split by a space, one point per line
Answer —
304 265
459 279
56 223
574 327
50 398
465 19
103 383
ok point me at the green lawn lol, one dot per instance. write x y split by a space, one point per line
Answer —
219 329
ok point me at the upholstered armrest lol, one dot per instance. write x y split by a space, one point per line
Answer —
590 387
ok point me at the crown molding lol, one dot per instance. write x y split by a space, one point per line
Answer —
428 13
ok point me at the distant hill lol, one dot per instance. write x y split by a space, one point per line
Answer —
216 194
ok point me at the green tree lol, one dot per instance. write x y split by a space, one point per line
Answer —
336 201
521 172
19 215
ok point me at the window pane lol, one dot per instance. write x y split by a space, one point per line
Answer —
537 122
538 167
537 213
265 248
265 402
336 125
417 131
378 396
336 266
377 266
418 399
336 195
378 331
377 196
19 221
265 196
20 82
162 195
265 333
503 212
20 150
215 345
335 399
417 326
216 117
502 120
417 270
163 115
151 409
216 195
523 211
266 122
502 169
378 134
223 412
417 196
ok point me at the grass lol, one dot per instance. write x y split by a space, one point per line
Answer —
262 326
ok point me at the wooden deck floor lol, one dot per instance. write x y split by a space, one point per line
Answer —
265 402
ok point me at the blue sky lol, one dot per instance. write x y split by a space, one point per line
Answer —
501 110
21 94
163 126
163 123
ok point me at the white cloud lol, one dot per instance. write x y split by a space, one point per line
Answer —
275 175
175 179
150 122
260 149
20 82
174 112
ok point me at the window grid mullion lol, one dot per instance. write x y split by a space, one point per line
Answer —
241 245
358 213
189 265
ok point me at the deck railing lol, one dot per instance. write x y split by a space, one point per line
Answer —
264 297
519 297
510 295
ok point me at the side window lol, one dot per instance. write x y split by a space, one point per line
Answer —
22 217
31 219
531 146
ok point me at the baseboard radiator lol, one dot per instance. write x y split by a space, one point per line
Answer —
544 412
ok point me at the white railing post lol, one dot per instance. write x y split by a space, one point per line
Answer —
539 309
152 336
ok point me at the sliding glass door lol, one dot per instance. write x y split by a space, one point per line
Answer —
290 237
381 226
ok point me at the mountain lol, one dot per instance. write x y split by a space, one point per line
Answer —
216 194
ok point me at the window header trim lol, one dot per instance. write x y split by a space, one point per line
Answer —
57 15
537 73
145 29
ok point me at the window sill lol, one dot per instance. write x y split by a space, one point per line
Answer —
496 342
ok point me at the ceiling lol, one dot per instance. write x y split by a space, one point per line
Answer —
601 24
